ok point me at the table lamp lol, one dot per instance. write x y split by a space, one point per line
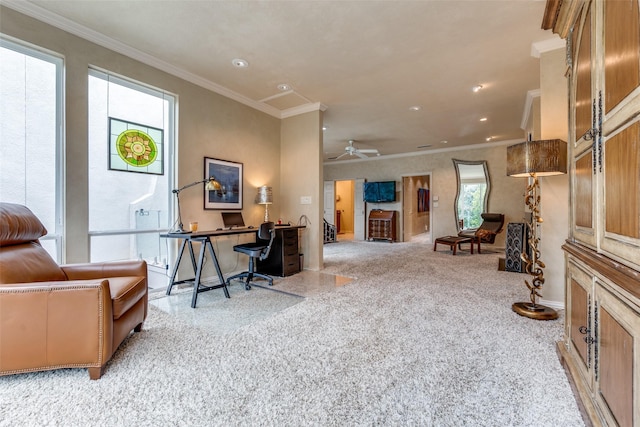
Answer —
265 197
533 159
212 185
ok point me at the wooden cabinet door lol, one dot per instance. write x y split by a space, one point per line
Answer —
621 51
620 228
583 198
584 142
580 329
618 354
619 149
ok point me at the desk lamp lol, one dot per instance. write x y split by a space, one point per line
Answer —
212 185
265 197
533 159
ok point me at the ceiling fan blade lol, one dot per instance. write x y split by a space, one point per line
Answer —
339 157
359 154
368 150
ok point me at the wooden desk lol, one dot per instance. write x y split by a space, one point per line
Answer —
204 238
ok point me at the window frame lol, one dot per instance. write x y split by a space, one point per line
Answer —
58 60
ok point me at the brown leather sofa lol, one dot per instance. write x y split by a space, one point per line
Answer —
61 316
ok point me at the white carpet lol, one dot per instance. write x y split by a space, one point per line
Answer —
419 338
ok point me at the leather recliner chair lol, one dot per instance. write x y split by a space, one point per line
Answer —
61 316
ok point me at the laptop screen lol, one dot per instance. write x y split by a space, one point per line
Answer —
232 219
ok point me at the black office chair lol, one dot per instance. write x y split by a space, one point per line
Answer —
256 250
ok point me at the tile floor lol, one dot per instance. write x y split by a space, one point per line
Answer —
221 315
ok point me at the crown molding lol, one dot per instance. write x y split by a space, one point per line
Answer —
65 24
306 108
538 48
528 104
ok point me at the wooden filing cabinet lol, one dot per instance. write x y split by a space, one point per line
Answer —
284 258
382 225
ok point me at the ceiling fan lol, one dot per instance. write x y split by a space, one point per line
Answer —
350 150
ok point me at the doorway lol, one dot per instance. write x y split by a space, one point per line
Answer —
344 205
416 208
345 208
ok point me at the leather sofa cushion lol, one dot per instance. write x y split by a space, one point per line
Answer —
28 262
18 225
125 292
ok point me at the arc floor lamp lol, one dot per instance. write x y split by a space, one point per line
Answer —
533 159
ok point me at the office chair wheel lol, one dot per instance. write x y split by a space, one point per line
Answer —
247 287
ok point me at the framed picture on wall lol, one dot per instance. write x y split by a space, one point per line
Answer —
229 175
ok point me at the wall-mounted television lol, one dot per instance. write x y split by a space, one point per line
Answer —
380 192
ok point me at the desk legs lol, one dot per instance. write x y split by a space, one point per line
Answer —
197 287
205 243
172 282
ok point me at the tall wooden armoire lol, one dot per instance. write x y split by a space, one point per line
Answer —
601 348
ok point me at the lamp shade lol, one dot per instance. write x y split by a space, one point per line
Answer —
213 184
264 196
544 158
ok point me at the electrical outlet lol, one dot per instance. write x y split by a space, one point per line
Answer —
305 200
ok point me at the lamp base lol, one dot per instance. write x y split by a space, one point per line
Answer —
534 311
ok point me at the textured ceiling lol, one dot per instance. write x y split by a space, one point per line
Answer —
367 62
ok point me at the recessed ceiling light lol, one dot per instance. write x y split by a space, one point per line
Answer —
476 88
324 128
240 63
284 87
415 108
489 138
444 141
424 146
484 119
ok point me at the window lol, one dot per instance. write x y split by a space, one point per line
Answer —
130 175
31 136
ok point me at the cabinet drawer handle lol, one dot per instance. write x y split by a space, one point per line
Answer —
583 330
589 340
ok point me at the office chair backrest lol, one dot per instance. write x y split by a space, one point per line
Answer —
266 232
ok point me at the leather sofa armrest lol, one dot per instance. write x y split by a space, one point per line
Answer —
103 270
48 325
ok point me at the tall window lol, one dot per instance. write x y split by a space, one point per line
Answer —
130 143
30 136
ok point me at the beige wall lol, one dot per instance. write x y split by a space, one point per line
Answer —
302 177
506 192
554 190
209 125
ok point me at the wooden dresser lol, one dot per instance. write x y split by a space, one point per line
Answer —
601 347
382 225
284 258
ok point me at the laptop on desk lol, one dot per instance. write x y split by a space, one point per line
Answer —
232 220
